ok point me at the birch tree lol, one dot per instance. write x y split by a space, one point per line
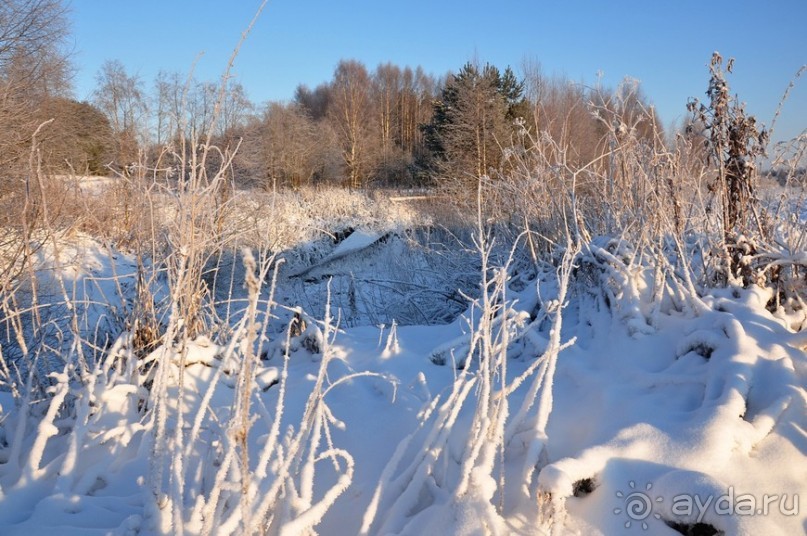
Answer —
350 112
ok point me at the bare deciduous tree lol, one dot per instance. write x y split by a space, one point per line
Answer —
290 143
386 87
166 104
563 121
32 34
33 66
314 102
122 98
350 111
235 109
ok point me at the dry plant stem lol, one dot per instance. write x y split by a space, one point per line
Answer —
34 170
785 96
492 411
300 455
7 378
247 379
14 457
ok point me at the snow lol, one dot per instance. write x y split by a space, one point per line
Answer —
355 242
509 423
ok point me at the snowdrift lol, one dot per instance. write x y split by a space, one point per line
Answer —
576 399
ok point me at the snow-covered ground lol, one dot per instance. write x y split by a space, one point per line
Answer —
657 413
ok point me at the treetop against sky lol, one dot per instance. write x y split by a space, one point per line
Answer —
664 45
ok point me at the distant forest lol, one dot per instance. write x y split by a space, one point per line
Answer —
392 126
384 126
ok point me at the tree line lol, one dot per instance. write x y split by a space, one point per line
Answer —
387 126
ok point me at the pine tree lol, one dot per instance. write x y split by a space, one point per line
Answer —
473 119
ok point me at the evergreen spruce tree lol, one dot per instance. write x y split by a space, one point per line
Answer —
473 119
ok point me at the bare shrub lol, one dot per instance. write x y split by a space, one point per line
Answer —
734 143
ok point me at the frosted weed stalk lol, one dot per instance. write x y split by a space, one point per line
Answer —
464 466
150 393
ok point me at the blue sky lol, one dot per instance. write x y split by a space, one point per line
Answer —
664 44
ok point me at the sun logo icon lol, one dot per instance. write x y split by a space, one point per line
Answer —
638 505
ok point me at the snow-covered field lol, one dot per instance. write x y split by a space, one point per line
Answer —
363 370
581 398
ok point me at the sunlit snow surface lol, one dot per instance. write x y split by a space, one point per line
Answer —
644 420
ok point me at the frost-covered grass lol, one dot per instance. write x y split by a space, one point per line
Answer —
561 392
571 355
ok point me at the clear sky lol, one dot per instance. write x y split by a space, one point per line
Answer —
665 44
